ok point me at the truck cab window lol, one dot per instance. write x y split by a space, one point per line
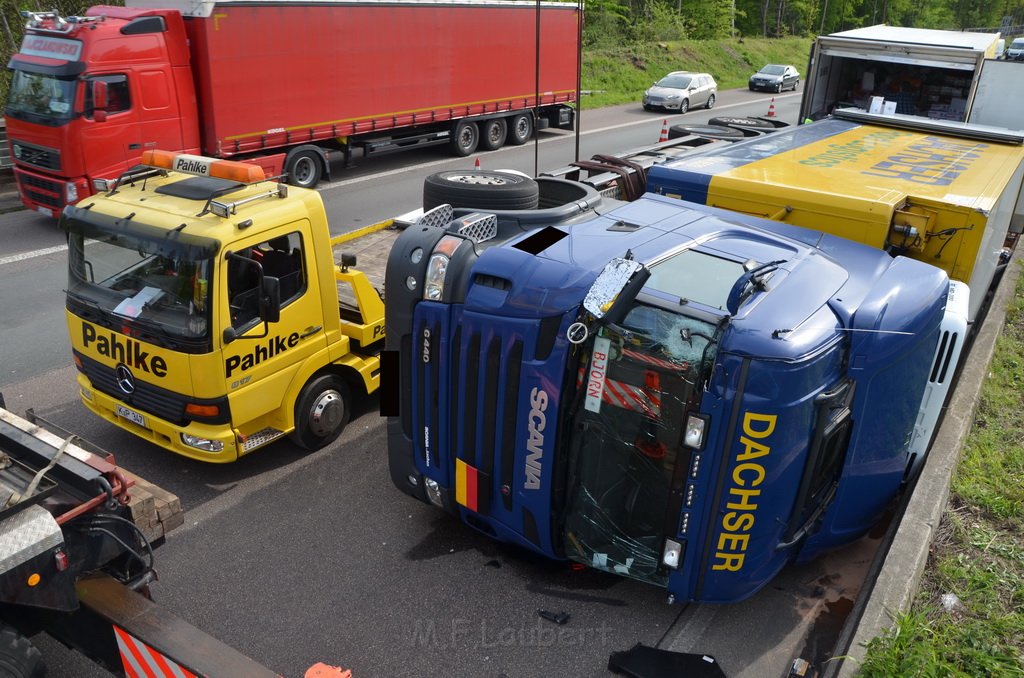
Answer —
279 257
118 94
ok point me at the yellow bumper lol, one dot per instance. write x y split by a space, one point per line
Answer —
160 432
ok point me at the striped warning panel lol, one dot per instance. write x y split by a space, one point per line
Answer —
141 661
628 396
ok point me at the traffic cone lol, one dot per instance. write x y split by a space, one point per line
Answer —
771 108
664 132
476 165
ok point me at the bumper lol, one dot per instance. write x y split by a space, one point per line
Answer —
764 86
48 194
159 432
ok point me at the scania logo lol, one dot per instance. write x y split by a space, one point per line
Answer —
125 379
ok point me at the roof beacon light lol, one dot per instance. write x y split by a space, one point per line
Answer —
203 166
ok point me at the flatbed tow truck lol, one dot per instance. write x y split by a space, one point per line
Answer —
77 536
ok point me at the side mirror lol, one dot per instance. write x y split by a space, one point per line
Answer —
100 100
614 287
270 299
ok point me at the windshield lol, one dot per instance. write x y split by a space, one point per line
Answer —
638 382
147 283
771 69
43 97
1017 44
675 81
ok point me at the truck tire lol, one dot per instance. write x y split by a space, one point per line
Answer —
321 412
480 189
19 658
706 131
465 138
493 133
520 129
304 168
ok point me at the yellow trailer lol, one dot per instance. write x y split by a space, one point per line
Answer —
935 195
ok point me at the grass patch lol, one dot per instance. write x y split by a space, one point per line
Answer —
977 555
619 75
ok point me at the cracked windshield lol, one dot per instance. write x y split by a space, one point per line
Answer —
641 379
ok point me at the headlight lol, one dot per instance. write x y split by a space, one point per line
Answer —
672 555
204 444
696 431
433 492
70 192
672 96
437 267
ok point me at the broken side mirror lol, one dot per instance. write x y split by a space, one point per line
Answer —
613 289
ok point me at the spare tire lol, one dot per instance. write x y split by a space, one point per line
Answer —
706 131
481 189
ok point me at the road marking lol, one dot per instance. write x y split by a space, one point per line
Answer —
33 254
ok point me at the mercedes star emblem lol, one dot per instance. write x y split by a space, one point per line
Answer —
577 333
125 379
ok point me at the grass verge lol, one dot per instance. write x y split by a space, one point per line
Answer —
968 616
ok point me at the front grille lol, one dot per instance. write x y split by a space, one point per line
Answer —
159 402
40 190
478 400
37 156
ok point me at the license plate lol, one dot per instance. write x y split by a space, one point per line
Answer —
131 415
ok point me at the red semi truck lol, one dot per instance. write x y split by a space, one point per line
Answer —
279 84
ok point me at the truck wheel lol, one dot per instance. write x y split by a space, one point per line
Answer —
493 134
304 169
706 131
520 129
480 189
465 138
19 658
321 412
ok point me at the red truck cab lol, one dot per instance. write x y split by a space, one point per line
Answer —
89 94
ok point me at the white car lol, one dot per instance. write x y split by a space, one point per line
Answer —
681 91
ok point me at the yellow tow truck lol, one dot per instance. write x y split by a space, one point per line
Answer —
208 315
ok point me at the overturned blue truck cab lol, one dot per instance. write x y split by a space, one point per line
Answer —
667 391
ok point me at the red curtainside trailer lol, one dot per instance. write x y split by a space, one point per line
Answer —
282 84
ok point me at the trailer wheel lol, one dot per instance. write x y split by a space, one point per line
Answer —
465 138
322 410
480 189
521 129
706 131
493 134
304 169
19 658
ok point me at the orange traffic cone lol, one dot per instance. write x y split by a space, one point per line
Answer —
771 108
664 132
476 165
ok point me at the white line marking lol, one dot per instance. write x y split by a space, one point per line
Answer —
33 254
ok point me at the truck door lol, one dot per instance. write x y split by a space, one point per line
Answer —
258 369
112 135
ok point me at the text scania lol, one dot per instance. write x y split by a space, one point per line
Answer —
265 351
747 477
535 445
124 350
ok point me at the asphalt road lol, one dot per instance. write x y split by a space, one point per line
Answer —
295 558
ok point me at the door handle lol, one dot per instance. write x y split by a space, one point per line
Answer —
310 330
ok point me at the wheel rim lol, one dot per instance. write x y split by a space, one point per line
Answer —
466 136
495 133
303 171
685 106
478 179
326 414
522 127
711 101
